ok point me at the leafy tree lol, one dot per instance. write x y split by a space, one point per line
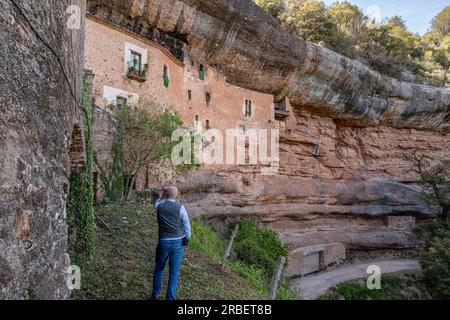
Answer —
349 19
390 48
397 21
442 58
273 7
435 62
308 19
438 187
375 52
145 139
432 39
435 259
432 70
441 23
436 183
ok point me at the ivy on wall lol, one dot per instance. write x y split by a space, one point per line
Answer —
80 205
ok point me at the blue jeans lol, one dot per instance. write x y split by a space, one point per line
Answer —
172 251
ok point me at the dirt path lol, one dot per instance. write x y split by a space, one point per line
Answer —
312 286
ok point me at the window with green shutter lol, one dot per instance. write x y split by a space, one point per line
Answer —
248 108
166 79
201 73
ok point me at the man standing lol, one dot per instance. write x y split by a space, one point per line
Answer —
174 232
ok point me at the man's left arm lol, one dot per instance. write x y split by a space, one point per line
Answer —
158 202
186 223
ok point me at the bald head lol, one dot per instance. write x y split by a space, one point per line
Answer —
171 192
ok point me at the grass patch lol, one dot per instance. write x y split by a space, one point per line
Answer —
259 282
207 241
407 287
121 267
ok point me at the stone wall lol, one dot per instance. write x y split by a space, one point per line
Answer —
306 260
40 77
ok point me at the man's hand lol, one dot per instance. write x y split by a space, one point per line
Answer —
185 242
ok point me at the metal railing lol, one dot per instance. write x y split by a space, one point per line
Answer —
137 70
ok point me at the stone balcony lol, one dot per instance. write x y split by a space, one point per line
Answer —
281 115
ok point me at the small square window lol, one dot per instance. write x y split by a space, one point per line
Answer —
208 98
136 69
190 95
121 102
197 123
136 61
208 126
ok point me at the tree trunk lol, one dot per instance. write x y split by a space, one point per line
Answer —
129 187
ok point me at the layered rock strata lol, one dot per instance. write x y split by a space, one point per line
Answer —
252 50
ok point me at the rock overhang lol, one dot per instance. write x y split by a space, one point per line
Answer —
250 48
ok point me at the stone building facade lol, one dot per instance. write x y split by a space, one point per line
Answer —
131 69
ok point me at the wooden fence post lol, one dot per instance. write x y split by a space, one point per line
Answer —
276 278
230 244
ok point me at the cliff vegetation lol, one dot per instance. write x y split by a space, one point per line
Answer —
387 46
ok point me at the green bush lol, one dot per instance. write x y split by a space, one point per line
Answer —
206 240
389 48
435 260
258 246
393 287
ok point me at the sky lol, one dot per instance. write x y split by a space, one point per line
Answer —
417 13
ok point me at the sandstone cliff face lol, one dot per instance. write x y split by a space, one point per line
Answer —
252 50
345 155
335 184
40 81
